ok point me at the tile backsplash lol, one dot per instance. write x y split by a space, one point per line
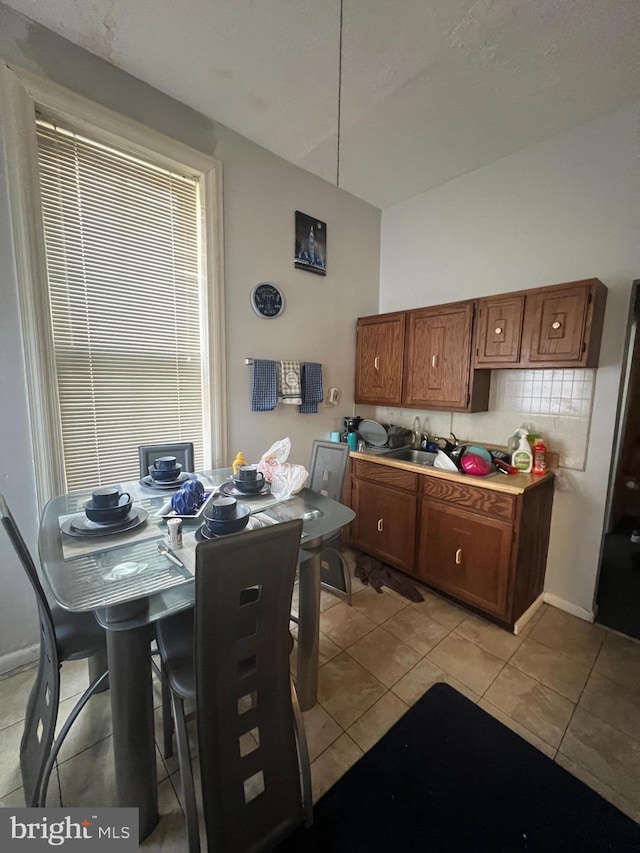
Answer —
553 403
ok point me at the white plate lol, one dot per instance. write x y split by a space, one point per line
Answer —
444 462
373 433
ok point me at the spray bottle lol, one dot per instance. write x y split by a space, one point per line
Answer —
522 458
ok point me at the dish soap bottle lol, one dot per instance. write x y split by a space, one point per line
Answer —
522 458
238 462
539 457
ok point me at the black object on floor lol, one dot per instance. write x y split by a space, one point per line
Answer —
377 574
449 777
619 583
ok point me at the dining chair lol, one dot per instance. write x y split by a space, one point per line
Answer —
231 655
63 636
148 453
327 469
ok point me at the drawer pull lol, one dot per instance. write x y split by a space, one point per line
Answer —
434 360
376 362
380 525
458 556
498 330
556 325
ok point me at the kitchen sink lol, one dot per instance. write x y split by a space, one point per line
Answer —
408 454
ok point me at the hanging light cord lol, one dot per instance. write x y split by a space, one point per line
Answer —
339 98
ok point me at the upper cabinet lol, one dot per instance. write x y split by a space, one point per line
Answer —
441 357
437 363
556 326
380 352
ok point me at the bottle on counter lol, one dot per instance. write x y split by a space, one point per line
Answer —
539 457
416 434
238 462
522 457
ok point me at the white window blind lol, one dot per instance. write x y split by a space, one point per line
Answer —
123 258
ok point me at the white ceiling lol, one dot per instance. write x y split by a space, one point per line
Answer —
431 89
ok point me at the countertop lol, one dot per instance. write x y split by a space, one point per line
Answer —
510 484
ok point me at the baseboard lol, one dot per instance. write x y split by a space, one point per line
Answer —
19 658
528 613
568 607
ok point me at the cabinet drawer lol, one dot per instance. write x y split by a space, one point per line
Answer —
484 501
394 477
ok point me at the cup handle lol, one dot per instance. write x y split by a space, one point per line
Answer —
122 495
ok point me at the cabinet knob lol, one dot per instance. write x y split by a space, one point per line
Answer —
458 556
434 360
376 362
498 330
380 525
556 325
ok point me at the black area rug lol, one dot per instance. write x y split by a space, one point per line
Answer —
449 777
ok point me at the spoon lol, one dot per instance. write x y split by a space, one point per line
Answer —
168 553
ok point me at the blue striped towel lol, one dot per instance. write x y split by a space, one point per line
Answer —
312 392
264 394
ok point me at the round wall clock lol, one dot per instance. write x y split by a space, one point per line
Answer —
267 301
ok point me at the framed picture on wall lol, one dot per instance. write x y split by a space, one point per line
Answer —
310 251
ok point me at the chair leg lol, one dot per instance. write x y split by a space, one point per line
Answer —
186 775
167 717
303 759
94 687
345 594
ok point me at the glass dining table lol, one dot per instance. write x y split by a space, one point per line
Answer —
129 585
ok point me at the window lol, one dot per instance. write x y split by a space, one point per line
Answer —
118 236
122 249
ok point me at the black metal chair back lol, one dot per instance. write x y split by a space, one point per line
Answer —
148 453
73 638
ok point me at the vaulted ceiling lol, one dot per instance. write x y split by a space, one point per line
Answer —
429 89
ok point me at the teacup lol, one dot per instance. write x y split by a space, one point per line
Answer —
108 497
248 473
163 462
222 509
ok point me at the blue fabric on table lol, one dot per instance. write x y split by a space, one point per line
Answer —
312 391
264 394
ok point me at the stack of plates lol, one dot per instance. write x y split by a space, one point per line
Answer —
444 462
81 527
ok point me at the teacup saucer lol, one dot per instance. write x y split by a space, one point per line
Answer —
166 484
230 491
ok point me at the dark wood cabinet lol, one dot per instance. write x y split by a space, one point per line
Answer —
437 350
484 547
563 325
384 500
499 322
555 326
465 555
380 351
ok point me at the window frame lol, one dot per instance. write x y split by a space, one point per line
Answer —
21 95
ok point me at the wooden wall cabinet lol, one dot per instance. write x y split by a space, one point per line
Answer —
555 326
379 359
420 359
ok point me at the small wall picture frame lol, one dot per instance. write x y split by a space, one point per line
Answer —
310 252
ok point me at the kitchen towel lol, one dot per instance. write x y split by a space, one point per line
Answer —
290 390
312 392
264 395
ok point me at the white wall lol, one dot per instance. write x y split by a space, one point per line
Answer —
261 194
562 210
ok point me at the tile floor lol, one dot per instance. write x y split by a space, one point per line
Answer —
570 688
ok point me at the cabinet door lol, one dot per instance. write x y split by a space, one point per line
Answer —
465 555
380 351
438 350
385 523
555 326
499 330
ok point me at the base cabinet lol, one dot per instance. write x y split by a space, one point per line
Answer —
483 547
465 555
